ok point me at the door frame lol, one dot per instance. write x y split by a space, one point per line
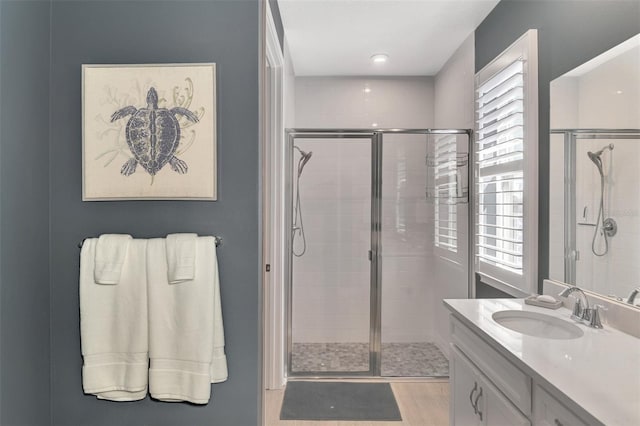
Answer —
274 213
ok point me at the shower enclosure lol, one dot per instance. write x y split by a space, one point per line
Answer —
369 211
599 200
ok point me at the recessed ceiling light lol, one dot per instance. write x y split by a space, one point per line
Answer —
618 92
367 90
380 58
374 124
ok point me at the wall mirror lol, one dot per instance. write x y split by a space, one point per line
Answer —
594 203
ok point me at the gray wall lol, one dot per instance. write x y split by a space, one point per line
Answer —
569 33
225 32
24 213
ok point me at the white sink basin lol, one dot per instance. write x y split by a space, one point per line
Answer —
538 325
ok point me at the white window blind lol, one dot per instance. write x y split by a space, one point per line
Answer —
500 169
506 170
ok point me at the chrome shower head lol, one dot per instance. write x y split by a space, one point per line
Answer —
305 156
596 157
305 159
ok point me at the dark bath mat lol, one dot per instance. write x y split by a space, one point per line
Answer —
339 401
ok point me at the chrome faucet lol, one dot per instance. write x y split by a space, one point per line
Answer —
580 313
632 296
591 316
594 316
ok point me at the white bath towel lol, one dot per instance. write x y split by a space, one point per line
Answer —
219 372
111 252
181 326
181 257
113 327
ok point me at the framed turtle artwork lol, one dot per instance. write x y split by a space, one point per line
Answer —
149 132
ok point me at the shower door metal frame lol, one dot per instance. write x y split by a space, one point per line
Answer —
375 332
571 137
292 134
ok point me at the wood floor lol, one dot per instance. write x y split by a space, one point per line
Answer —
420 403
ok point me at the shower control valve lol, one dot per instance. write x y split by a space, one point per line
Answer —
609 227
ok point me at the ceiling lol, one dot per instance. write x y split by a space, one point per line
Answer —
338 37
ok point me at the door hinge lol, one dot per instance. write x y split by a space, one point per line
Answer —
268 268
370 255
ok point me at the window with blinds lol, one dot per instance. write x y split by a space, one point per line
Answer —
504 159
499 154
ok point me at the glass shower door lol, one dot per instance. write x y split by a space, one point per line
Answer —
331 286
421 180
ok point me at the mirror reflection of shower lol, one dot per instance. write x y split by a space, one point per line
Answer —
604 225
298 225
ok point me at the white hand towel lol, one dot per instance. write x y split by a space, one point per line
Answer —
181 257
110 256
113 327
181 327
219 371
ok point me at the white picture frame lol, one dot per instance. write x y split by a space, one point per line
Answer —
149 132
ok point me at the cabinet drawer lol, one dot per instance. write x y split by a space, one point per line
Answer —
512 382
548 411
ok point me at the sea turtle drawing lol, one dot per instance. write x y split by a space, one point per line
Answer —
153 135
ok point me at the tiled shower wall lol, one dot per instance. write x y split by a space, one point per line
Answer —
331 281
601 98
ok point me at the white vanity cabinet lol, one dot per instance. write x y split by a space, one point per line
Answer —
488 390
477 373
501 376
463 385
475 400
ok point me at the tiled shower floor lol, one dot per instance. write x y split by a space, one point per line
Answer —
418 359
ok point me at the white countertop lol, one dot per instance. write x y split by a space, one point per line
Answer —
599 372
